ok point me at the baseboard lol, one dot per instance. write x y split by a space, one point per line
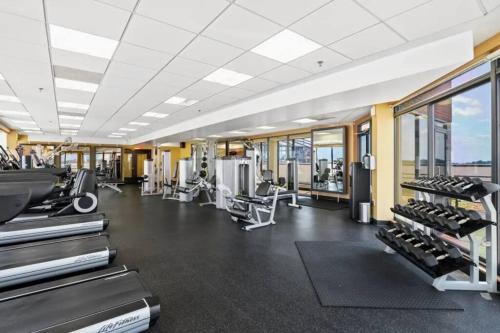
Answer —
379 223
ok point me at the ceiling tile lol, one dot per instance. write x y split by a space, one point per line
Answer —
202 89
72 111
284 12
210 51
173 79
140 56
193 15
23 50
76 74
75 96
167 108
119 69
241 28
236 93
11 106
4 88
28 8
22 29
329 59
334 21
258 85
491 5
124 4
88 16
285 74
189 68
388 8
155 35
369 41
433 17
252 64
78 61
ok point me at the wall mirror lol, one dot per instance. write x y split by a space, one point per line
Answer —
328 160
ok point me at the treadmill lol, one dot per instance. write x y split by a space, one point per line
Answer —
111 300
26 230
32 261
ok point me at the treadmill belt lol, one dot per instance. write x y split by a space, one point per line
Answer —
62 305
36 252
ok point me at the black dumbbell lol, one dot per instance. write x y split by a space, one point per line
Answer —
422 240
464 215
443 251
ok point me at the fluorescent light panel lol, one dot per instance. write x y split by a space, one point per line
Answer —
227 77
286 46
71 105
138 123
265 127
305 121
127 129
69 125
1 77
198 139
177 100
9 98
27 128
117 133
81 42
17 121
215 136
33 132
68 117
238 132
155 115
14 113
76 85
114 136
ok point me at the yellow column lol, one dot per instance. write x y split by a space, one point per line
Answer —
383 150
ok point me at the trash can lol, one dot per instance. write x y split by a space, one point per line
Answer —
364 212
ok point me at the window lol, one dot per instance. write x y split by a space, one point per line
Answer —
412 150
3 139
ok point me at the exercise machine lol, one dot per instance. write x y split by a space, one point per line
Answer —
257 211
109 300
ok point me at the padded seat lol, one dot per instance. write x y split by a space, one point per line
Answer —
247 199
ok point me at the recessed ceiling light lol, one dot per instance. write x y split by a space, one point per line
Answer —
9 98
114 136
117 133
1 77
71 105
81 42
65 116
286 46
238 132
127 129
215 136
69 131
305 121
69 125
76 85
178 100
27 122
265 127
138 123
175 100
198 139
227 77
26 128
155 115
33 132
14 113
190 102
322 133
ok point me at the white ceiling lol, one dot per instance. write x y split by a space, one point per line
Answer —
166 48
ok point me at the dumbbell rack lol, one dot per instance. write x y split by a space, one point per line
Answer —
483 195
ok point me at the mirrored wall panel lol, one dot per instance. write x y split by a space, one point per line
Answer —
328 155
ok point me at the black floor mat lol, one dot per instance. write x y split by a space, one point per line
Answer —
322 203
348 274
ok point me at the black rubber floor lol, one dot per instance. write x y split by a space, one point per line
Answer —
334 270
213 277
